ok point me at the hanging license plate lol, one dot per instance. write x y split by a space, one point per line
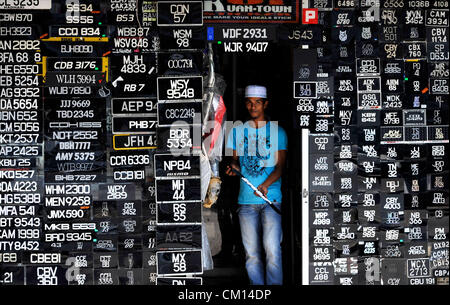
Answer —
178 190
137 105
179 113
187 38
179 262
168 165
134 142
180 13
181 63
26 5
141 124
179 236
180 88
183 213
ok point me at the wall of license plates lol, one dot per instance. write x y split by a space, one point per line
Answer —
378 118
91 98
88 89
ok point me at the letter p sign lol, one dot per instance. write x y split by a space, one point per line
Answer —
310 16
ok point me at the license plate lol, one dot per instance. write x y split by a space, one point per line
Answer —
179 281
179 138
74 64
181 38
174 113
134 142
174 213
138 105
182 63
179 236
20 150
141 124
367 66
178 190
117 191
46 275
305 89
126 159
179 262
419 267
26 5
180 88
182 13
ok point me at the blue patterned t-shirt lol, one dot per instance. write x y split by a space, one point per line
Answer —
257 161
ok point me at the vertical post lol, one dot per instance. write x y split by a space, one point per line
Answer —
305 206
234 86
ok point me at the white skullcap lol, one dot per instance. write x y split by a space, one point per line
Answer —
256 91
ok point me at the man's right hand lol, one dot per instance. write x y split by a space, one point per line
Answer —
229 172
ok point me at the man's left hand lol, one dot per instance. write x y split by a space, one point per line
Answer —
263 189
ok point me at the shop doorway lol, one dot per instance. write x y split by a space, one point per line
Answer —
272 69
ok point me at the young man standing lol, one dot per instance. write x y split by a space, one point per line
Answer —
259 153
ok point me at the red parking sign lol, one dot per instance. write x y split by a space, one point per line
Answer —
310 16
